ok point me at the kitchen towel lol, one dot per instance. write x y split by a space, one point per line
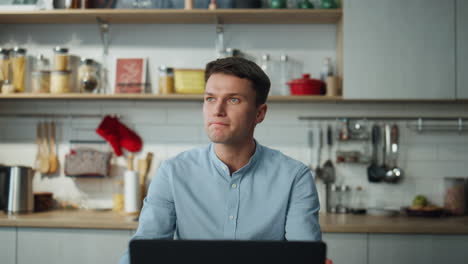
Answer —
119 135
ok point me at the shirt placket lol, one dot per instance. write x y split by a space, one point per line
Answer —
230 226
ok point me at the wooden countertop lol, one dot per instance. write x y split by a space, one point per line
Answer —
330 223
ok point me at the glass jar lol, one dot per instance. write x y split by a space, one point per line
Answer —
40 81
118 196
166 80
60 82
4 65
358 201
456 195
344 199
61 59
18 64
87 76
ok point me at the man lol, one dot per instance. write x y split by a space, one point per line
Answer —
235 188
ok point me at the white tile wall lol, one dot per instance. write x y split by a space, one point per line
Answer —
168 128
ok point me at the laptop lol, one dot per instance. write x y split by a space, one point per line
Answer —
226 252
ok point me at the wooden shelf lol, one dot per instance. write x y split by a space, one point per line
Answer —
173 16
153 97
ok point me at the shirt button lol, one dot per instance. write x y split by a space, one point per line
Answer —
234 186
231 217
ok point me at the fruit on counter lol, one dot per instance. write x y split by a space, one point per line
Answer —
419 201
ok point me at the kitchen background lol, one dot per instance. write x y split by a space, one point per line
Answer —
169 127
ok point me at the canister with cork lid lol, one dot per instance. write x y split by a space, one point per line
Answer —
166 80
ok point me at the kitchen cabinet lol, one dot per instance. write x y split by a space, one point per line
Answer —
399 49
410 249
345 248
58 245
8 245
462 49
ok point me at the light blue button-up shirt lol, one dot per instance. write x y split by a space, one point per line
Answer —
193 196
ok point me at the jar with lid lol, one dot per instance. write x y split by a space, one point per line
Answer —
88 76
4 65
18 64
166 80
40 77
61 59
456 195
60 82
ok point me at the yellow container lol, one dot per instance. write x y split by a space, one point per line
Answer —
189 81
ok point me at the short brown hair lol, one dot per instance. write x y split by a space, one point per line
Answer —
244 69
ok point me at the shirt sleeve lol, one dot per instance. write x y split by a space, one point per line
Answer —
302 216
157 218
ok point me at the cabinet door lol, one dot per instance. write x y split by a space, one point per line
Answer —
399 49
8 245
49 245
462 49
344 248
410 249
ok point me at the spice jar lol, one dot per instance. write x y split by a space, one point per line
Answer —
4 65
18 63
60 82
61 59
87 76
166 80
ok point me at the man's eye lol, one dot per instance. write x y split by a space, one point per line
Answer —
234 100
209 99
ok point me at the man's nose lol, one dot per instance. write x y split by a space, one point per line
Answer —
219 108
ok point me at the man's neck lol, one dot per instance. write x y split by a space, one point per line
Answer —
235 156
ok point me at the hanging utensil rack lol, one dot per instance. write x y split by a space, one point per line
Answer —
419 123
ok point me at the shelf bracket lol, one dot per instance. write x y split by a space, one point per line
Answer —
104 30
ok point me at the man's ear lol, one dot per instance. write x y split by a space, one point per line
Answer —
261 113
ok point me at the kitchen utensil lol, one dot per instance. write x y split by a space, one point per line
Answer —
386 141
16 194
37 160
318 171
44 168
53 160
394 173
328 168
375 173
305 85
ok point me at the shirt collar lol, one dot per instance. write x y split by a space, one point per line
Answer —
221 165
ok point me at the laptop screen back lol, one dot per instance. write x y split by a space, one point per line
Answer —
225 252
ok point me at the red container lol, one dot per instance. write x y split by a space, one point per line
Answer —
306 86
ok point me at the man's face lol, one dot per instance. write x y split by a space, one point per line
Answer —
229 109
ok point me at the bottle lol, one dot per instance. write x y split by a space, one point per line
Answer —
285 75
166 80
267 67
326 69
359 205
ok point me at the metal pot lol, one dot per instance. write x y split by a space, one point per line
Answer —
16 194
